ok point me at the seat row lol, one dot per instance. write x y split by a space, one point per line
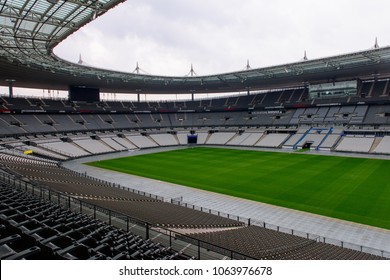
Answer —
122 201
262 243
34 229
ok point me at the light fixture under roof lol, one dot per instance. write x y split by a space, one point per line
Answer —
52 1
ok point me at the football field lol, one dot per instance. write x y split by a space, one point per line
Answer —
353 189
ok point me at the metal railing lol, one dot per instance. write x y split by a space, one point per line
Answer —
189 246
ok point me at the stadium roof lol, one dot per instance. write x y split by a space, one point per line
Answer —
30 29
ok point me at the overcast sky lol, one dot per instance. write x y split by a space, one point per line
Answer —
217 36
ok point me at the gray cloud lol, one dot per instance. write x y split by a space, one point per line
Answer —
165 37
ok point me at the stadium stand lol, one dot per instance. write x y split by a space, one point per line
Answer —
165 139
122 140
66 148
64 239
39 151
220 138
272 140
113 143
320 128
142 141
384 146
262 243
158 213
93 146
202 137
182 137
245 139
329 142
82 136
278 110
355 144
313 138
31 228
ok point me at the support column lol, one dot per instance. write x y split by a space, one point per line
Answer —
10 87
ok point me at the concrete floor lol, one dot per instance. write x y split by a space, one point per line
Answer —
333 230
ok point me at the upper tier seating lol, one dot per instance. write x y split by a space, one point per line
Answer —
30 123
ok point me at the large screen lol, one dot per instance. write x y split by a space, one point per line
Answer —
82 93
192 138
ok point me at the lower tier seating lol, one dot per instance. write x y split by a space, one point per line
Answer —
262 243
34 229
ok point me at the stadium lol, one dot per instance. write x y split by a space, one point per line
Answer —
295 168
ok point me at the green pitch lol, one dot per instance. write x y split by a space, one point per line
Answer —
354 189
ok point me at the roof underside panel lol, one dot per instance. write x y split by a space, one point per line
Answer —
30 29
